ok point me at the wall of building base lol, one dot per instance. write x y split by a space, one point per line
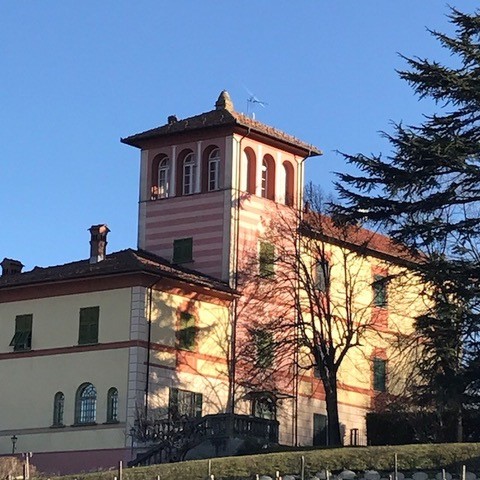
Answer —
78 461
350 418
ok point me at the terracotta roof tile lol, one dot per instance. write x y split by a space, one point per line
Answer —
124 261
357 236
218 118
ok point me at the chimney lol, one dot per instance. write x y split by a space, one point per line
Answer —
11 267
172 119
224 102
98 242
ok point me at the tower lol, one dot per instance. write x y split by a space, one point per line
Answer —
208 179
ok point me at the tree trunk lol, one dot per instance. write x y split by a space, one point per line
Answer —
459 433
333 423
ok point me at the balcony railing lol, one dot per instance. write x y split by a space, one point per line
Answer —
170 441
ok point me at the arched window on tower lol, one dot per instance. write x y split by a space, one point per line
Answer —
214 170
163 177
160 177
86 404
250 170
211 168
289 184
268 178
189 174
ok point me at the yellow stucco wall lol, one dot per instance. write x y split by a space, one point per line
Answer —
56 319
30 381
201 370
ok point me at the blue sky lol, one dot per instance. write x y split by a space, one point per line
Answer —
77 76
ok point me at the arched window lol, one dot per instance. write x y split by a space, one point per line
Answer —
264 179
112 405
251 171
289 184
189 174
214 170
160 177
58 408
163 177
86 404
268 178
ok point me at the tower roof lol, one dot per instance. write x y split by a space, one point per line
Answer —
223 115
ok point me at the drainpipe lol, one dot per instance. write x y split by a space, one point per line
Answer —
149 340
299 207
233 343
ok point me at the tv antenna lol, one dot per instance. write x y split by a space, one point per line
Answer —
252 100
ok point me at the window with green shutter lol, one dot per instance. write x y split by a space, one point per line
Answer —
379 375
322 275
88 330
22 338
266 260
186 332
183 250
264 347
184 403
380 296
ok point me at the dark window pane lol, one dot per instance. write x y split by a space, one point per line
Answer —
319 429
58 408
112 405
184 403
86 404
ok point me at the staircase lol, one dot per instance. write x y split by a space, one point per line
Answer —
172 442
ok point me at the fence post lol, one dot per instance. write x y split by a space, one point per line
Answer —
120 470
303 468
396 467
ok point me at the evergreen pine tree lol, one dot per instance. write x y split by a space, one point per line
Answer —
426 195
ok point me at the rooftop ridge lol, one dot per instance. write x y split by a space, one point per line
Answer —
223 114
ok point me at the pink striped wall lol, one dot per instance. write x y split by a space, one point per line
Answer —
200 216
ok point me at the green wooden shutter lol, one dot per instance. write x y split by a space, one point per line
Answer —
379 375
322 275
267 259
198 402
183 250
22 339
264 346
88 330
380 298
187 331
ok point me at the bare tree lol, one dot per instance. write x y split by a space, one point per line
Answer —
310 297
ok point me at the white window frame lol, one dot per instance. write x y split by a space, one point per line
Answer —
214 170
163 177
189 174
264 190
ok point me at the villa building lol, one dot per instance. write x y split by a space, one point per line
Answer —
92 350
